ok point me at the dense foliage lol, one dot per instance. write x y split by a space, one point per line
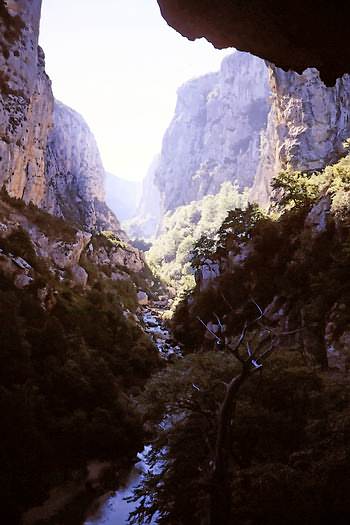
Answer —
238 227
170 255
297 189
71 364
289 440
290 423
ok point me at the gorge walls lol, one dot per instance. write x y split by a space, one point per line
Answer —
224 128
48 155
26 101
307 126
245 124
74 173
308 120
215 133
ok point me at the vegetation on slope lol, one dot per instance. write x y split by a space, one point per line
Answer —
288 433
71 364
170 254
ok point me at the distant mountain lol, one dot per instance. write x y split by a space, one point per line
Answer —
122 196
215 135
145 223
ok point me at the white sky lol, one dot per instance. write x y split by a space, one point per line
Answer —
119 64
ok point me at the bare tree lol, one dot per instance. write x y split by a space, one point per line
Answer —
251 357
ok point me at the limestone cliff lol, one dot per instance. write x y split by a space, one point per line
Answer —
307 126
48 155
246 124
215 133
74 173
26 101
70 254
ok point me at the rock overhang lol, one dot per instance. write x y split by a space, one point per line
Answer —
293 34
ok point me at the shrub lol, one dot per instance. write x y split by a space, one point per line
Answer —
170 255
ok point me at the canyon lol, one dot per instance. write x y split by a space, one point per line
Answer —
49 156
307 126
91 370
215 133
245 124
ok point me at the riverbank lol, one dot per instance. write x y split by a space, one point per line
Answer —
113 509
94 488
68 502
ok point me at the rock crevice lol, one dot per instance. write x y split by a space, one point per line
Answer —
307 126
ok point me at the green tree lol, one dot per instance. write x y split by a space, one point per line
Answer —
295 188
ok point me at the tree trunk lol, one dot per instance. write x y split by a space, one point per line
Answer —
220 493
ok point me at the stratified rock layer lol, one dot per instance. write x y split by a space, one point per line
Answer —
215 134
26 101
307 126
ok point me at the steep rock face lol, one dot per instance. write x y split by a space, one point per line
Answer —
293 35
62 246
215 134
26 101
75 173
48 155
307 126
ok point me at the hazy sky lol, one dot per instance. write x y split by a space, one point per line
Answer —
119 64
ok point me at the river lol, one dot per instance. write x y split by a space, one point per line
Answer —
114 510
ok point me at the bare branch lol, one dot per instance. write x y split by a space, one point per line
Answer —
292 332
276 333
235 349
261 344
267 352
218 320
256 364
258 307
227 302
208 330
249 350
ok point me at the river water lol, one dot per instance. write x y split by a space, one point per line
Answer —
114 510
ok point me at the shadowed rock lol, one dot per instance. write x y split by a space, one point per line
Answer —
294 34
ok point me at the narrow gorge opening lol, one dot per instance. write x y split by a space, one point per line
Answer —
174 339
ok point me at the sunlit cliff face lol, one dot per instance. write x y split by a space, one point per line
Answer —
294 34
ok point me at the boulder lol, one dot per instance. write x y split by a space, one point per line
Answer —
67 254
21 263
142 298
22 280
316 219
79 275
